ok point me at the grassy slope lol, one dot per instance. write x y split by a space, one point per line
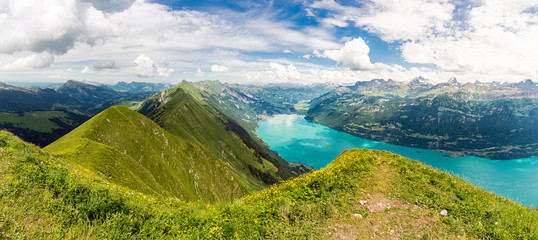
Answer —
181 113
238 109
40 197
128 149
236 105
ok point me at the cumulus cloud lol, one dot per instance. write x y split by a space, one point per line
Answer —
86 70
474 37
498 37
52 26
146 67
85 29
199 72
219 68
164 71
283 73
354 55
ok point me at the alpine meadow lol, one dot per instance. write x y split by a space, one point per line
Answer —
314 119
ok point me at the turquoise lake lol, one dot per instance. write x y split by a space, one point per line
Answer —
298 140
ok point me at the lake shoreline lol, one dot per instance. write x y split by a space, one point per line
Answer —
503 153
302 141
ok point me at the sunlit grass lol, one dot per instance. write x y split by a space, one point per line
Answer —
41 197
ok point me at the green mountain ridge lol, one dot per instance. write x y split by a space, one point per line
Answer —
128 149
361 194
182 111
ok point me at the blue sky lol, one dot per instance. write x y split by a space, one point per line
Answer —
296 14
268 41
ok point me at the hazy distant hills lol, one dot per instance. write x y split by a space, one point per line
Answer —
80 95
499 122
88 92
140 87
95 97
41 116
20 99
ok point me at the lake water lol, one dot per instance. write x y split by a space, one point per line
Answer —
298 140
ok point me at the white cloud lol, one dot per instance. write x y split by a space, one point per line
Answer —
287 51
86 70
354 55
334 22
318 74
476 38
283 73
390 19
199 72
110 65
498 37
219 68
482 40
39 60
144 66
78 30
164 71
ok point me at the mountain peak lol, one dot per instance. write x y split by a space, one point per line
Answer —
72 82
453 81
87 91
419 81
527 83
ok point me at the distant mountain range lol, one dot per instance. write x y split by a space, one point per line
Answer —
20 99
42 115
140 87
189 164
498 122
